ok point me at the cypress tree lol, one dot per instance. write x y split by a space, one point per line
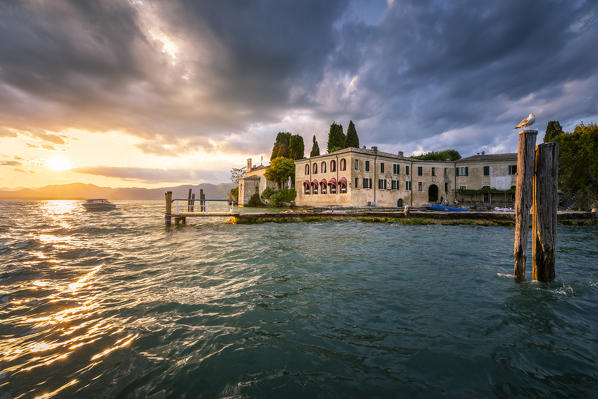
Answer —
352 140
281 145
296 147
336 137
315 148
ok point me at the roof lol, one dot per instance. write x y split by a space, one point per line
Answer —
367 151
490 158
250 178
257 168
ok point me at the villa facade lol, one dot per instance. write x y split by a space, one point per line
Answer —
368 177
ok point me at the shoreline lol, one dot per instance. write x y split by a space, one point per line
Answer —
415 217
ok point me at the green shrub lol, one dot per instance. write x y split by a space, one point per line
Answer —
234 194
284 195
255 201
267 193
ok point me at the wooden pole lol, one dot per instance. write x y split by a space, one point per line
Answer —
189 201
523 197
192 202
202 204
545 207
168 213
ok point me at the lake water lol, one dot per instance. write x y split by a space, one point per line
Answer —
114 304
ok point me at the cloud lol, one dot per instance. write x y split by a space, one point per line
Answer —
219 76
10 163
149 175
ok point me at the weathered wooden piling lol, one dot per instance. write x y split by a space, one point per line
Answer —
523 197
189 200
192 203
168 213
202 203
545 205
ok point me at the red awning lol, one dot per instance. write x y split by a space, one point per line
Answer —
343 181
306 182
323 181
314 181
332 181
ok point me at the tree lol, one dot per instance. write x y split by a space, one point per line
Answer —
578 166
315 148
281 145
553 129
280 170
352 140
296 147
445 155
234 193
237 173
336 138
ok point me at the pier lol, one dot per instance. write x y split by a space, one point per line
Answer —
185 207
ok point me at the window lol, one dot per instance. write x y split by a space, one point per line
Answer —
367 166
395 169
419 186
314 188
462 188
381 167
446 171
314 168
406 170
446 188
486 197
323 188
343 187
462 171
306 187
486 170
382 184
512 169
356 182
407 185
394 184
367 182
343 165
332 188
357 164
307 169
323 167
333 166
433 171
420 171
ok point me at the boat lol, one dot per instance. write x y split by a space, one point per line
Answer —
98 204
438 207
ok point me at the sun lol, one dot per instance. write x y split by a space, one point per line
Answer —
59 163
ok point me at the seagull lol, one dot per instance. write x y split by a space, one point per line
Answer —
526 122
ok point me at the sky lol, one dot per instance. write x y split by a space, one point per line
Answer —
151 93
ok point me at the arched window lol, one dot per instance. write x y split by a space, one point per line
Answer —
343 165
323 188
314 187
306 188
332 188
307 169
323 167
314 168
333 166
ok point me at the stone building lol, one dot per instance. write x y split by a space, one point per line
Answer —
368 177
254 182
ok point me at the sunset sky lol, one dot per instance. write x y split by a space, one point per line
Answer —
142 93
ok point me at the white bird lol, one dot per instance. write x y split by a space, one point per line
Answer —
526 122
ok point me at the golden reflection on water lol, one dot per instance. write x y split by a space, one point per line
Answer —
59 207
56 391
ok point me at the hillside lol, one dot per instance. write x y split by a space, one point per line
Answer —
78 191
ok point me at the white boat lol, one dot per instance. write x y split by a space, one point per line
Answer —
98 204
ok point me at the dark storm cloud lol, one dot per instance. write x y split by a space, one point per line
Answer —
226 76
150 175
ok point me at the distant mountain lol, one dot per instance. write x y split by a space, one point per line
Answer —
79 191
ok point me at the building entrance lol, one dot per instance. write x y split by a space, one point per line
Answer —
433 193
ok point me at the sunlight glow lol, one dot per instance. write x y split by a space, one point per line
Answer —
59 163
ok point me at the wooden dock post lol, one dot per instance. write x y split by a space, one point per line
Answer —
168 213
189 201
545 211
202 204
192 202
523 197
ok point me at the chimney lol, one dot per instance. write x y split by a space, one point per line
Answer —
483 152
400 154
248 164
375 148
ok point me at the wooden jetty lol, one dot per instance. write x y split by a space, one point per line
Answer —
185 208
